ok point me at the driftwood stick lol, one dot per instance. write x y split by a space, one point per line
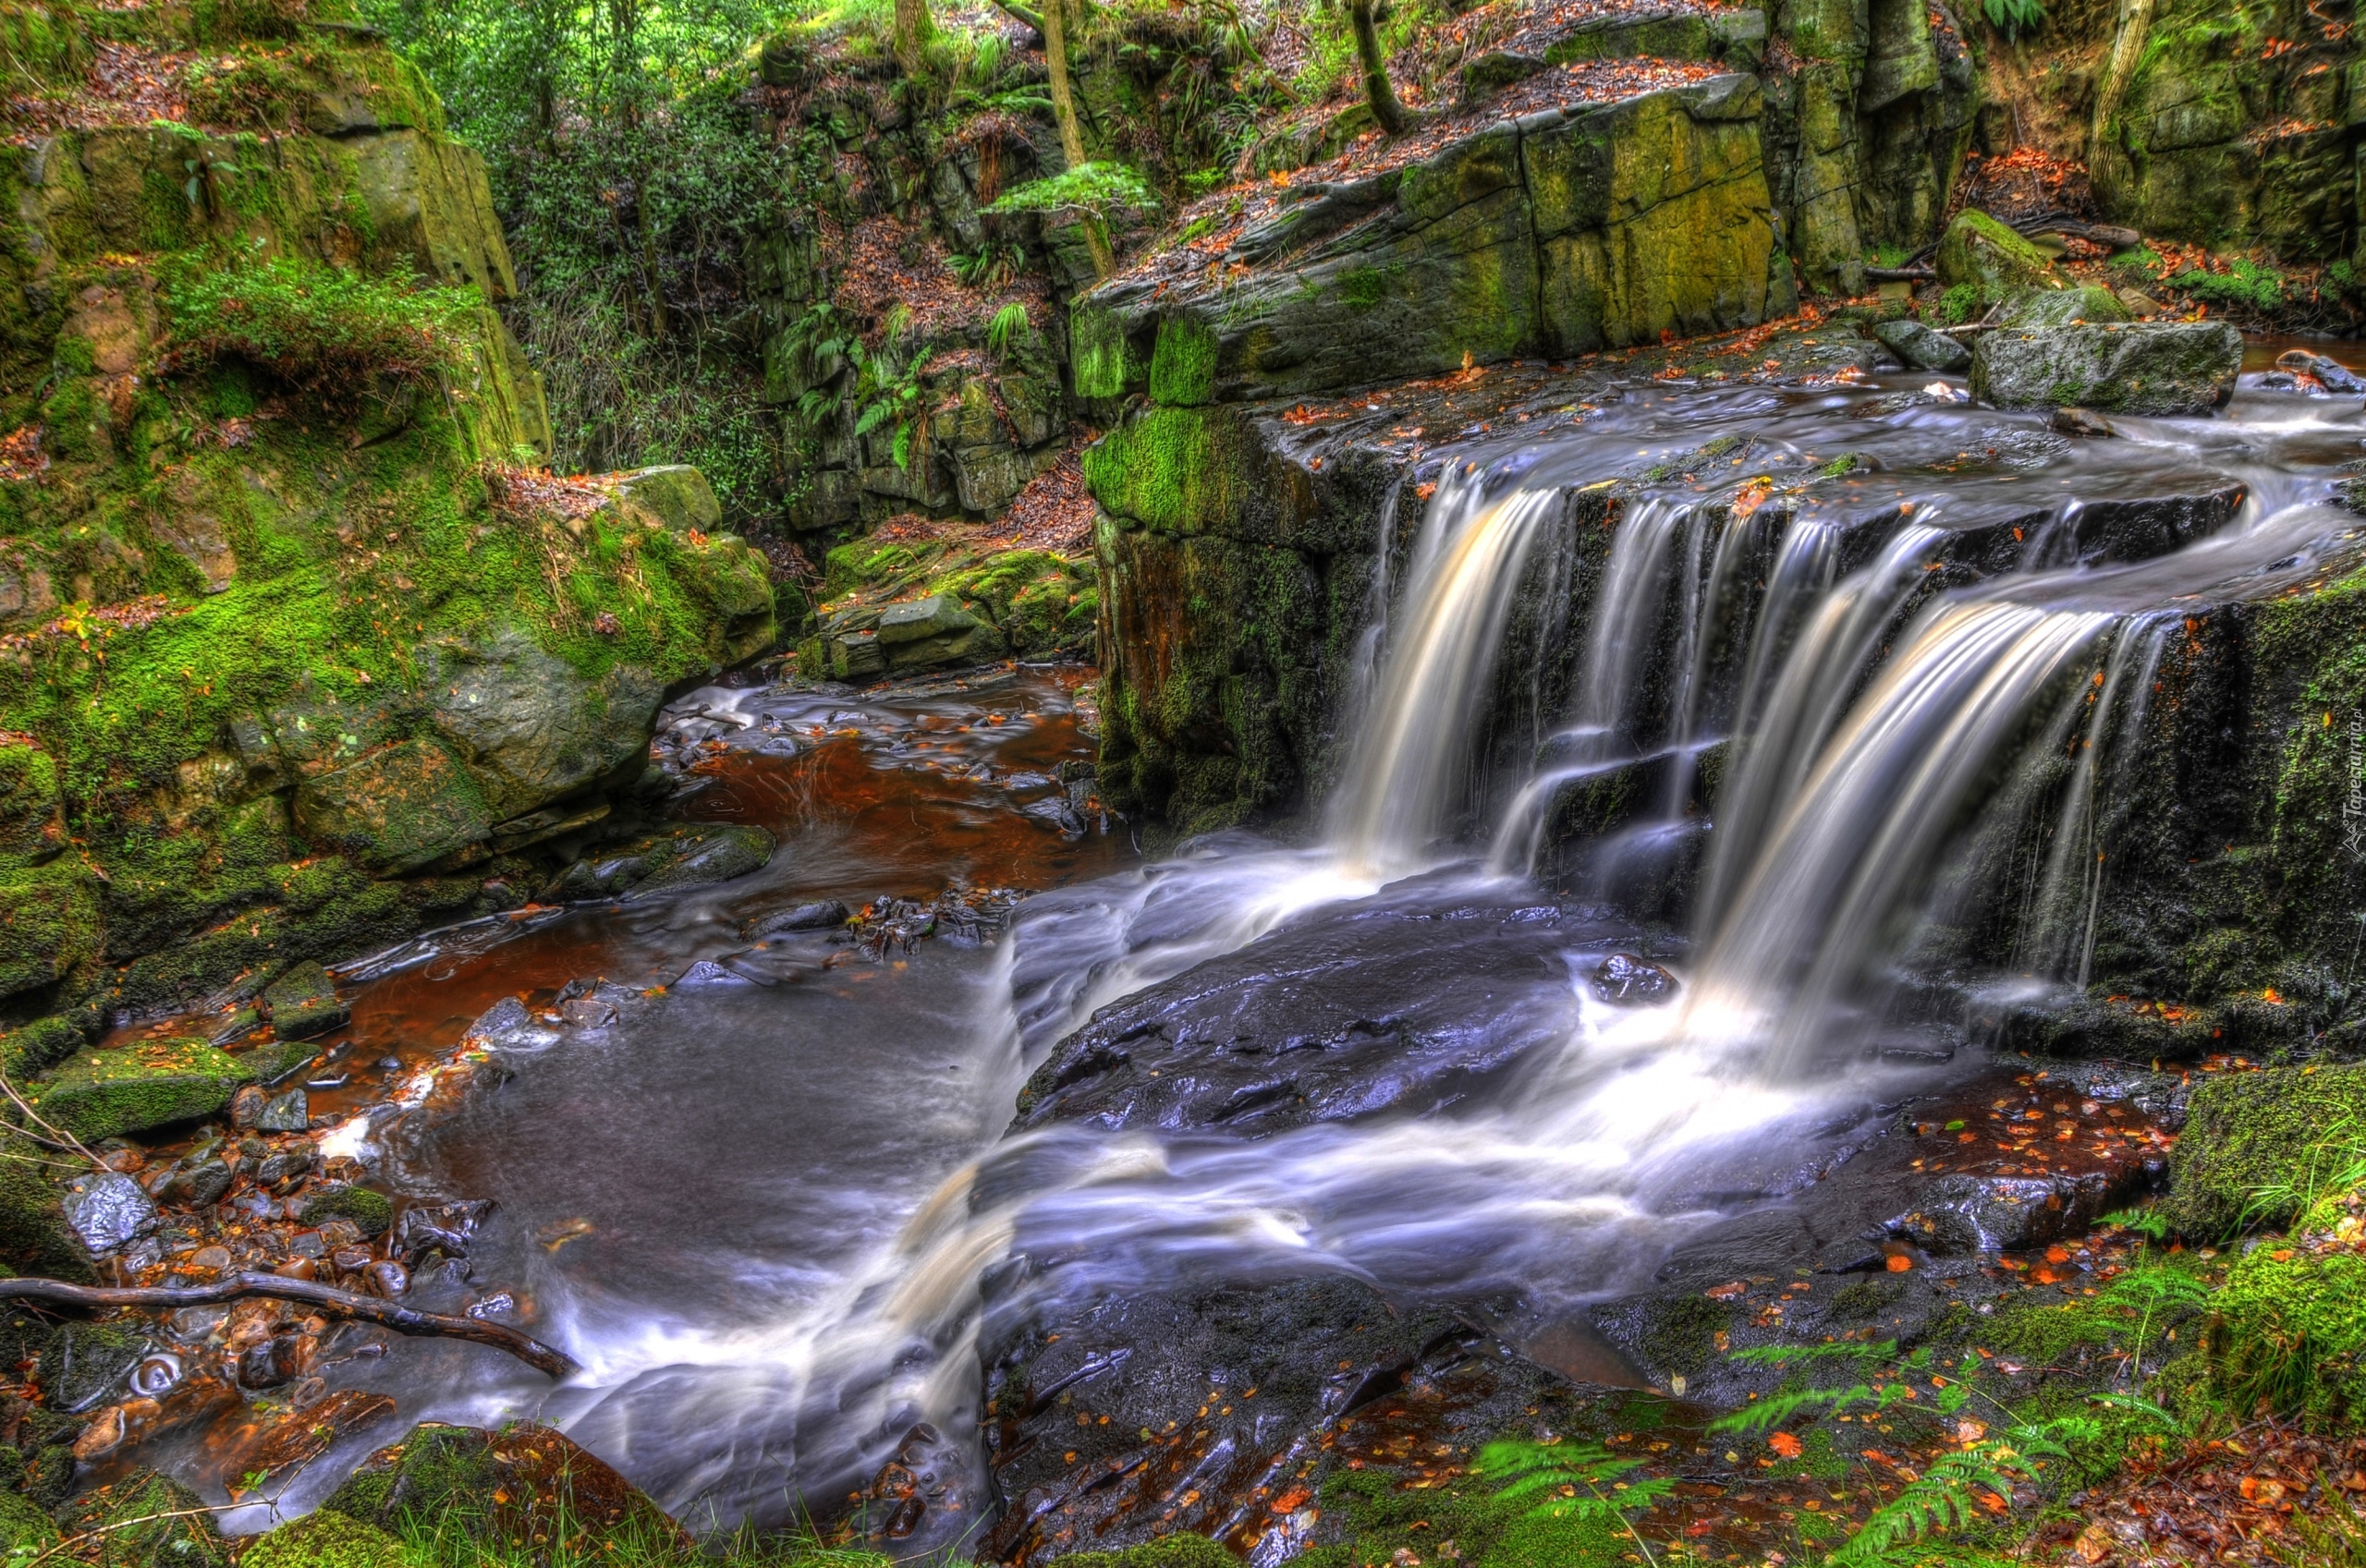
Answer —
1026 14
328 1298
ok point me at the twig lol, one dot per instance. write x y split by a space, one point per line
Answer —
402 1320
111 1527
32 1115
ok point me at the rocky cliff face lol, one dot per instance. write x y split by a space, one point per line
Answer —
295 654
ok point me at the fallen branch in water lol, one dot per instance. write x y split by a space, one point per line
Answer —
328 1298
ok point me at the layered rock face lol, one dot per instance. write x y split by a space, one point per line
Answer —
1550 228
293 662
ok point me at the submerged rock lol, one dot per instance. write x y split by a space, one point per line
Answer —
1921 348
821 915
2165 368
1343 1016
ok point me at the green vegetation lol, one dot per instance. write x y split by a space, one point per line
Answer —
1099 188
2246 286
316 326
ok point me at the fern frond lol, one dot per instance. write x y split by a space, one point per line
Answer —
1859 1352
1777 1408
1945 1497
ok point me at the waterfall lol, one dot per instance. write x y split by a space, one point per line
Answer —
1415 742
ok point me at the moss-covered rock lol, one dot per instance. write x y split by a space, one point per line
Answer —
325 1539
524 1488
23 1526
2251 1143
2159 368
304 1002
175 1526
373 1211
2290 1330
1615 224
2078 306
35 1235
1979 251
138 1086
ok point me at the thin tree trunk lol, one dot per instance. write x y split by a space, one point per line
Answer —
2128 47
914 28
1382 97
1055 53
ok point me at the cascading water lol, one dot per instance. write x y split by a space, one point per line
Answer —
1874 662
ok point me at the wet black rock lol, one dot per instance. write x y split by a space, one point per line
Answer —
447 1228
1116 1421
824 914
290 1112
508 1026
108 1211
1355 1013
1624 981
1964 1214
685 855
2331 374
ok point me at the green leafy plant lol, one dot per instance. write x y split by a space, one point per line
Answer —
991 266
1573 1480
1099 188
2014 17
1004 330
1958 305
888 387
315 326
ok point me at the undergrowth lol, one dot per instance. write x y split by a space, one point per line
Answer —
317 326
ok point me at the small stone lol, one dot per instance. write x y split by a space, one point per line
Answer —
391 1278
1624 981
352 1260
213 1258
506 1025
288 1113
587 1013
108 1211
246 1105
307 1244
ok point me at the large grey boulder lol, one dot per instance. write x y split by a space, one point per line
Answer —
2167 367
530 727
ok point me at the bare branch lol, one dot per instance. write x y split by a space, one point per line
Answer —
328 1298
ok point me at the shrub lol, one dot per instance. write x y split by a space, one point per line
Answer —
2246 286
317 326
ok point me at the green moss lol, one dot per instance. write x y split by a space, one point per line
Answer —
1102 362
173 1524
1183 365
1383 1521
323 1539
137 1088
2246 286
1170 1551
2291 1327
2251 1140
1682 1334
1177 470
23 1526
373 1211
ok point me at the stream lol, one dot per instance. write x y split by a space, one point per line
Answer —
770 1190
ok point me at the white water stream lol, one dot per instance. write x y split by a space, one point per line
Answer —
1867 726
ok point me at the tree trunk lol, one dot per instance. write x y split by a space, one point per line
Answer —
914 28
1055 52
1382 97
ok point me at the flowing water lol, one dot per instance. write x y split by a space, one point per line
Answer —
759 1206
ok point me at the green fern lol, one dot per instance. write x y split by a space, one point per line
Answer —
1004 330
2143 1222
1580 1481
1947 1496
